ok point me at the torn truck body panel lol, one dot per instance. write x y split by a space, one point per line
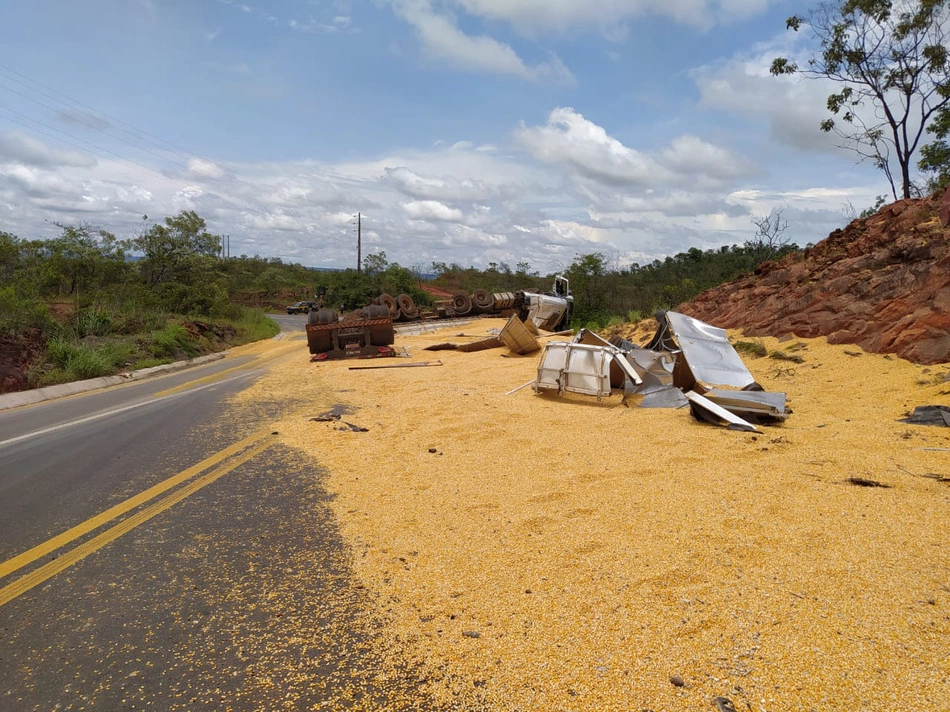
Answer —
756 406
704 409
575 368
517 337
622 373
707 353
679 366
655 368
664 397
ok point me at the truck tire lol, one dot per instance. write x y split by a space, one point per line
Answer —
462 304
482 301
406 305
387 301
375 312
322 316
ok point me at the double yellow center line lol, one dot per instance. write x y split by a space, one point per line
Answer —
217 466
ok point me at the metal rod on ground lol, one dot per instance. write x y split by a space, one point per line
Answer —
515 390
399 365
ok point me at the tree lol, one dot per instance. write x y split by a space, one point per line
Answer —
889 55
770 237
172 249
935 156
375 263
587 275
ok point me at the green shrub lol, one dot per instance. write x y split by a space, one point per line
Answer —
173 337
17 312
635 316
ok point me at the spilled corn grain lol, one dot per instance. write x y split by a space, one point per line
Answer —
562 553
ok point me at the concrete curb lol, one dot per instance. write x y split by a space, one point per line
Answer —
38 395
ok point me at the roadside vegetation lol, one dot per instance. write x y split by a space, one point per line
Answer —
85 303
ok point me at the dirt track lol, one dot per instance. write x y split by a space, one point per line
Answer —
560 553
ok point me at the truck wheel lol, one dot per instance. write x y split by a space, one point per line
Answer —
482 301
323 316
375 312
387 301
462 304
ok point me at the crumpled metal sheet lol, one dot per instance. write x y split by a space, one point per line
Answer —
929 415
708 353
758 405
705 409
664 397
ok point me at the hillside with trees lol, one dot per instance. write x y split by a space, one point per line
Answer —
86 303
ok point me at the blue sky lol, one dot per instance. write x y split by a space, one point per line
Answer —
466 131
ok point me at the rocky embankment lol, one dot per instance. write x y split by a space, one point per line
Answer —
882 283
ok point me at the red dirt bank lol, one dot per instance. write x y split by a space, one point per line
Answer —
882 283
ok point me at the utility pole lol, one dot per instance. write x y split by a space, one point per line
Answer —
359 236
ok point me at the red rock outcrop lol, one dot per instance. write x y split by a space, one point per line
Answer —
882 283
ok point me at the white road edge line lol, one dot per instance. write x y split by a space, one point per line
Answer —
116 411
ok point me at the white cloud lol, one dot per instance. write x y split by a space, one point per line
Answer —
691 155
449 188
442 40
453 203
432 210
16 147
569 138
587 150
793 107
200 168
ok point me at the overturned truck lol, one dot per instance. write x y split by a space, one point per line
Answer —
367 333
550 310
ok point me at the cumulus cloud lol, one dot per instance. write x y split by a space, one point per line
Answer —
432 210
691 155
569 138
573 141
200 168
442 39
452 203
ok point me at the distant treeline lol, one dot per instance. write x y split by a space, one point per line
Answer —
604 296
98 304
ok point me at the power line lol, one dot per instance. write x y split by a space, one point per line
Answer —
72 103
95 128
77 103
118 157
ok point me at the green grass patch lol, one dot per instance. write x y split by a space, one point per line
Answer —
754 348
785 356
171 340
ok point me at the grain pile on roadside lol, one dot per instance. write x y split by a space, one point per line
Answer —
547 552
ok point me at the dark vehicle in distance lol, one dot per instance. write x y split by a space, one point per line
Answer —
301 307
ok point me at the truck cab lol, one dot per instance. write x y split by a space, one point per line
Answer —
550 311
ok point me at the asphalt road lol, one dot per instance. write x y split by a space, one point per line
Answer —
159 550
